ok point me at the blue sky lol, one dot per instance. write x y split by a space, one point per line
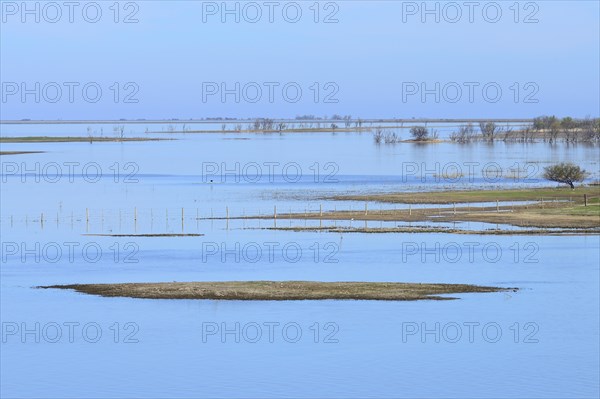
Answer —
365 64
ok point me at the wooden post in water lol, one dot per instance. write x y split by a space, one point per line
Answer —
42 220
584 199
454 207
182 217
497 206
409 209
274 211
320 210
366 209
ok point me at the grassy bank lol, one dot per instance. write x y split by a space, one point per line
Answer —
470 196
569 213
412 230
560 216
278 290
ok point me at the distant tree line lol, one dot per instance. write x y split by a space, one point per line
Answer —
546 128
567 129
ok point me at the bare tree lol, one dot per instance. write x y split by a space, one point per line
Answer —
119 131
378 136
465 134
391 138
269 124
347 121
553 131
590 129
419 133
90 134
488 131
526 134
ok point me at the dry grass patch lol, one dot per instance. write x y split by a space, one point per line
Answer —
279 290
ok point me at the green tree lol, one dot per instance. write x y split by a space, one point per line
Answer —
567 123
566 173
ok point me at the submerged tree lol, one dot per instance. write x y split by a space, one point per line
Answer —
419 133
465 134
378 136
566 173
489 130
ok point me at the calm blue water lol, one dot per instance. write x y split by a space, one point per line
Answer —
541 341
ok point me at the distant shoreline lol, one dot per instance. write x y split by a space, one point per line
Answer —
57 139
249 120
20 152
